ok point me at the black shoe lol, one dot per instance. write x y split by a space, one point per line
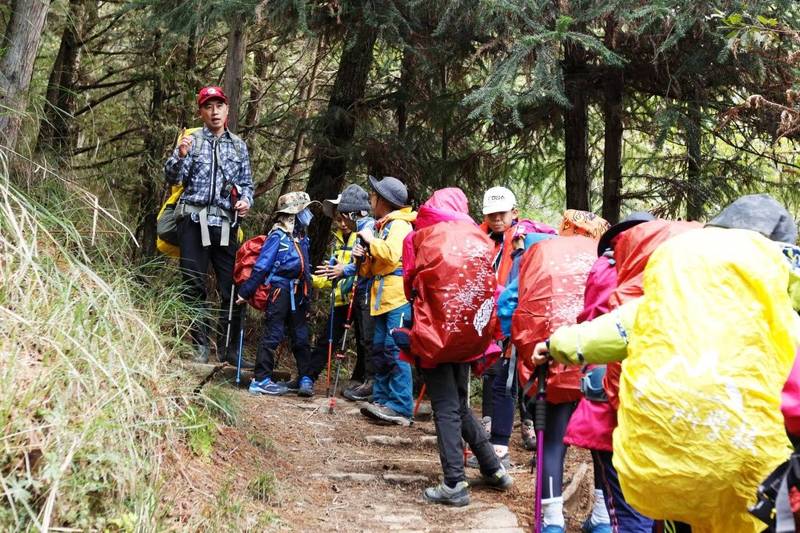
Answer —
292 385
361 393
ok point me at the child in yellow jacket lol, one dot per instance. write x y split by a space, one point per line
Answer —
392 391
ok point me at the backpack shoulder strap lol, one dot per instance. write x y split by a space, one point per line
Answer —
197 142
237 143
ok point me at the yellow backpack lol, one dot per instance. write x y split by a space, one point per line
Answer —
167 237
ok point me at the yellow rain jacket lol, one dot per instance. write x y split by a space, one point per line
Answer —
342 252
711 344
384 264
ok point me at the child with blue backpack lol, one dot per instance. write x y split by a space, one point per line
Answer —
283 265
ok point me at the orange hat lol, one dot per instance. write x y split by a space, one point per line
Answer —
584 223
208 93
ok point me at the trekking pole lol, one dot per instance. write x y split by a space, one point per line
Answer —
233 292
330 334
419 400
241 342
348 323
539 421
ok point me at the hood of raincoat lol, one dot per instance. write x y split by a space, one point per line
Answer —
444 205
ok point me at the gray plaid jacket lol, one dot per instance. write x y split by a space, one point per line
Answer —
208 168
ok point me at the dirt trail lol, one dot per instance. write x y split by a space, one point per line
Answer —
342 473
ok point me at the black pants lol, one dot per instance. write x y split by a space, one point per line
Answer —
364 328
279 319
194 268
447 388
487 382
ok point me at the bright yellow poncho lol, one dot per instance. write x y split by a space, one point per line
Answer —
699 421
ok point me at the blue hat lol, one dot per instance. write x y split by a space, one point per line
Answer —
390 189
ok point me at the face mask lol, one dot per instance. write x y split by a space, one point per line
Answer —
304 217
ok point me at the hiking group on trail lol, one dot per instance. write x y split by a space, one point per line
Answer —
666 348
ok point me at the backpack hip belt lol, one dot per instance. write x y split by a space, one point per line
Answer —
203 212
379 293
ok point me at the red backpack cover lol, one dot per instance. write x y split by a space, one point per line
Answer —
454 286
246 258
552 278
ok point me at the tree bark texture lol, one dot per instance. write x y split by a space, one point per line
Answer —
576 125
694 161
234 68
21 43
56 129
150 170
338 128
613 88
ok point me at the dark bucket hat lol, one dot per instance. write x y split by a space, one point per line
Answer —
634 219
390 189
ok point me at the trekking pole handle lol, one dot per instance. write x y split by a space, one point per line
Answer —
540 409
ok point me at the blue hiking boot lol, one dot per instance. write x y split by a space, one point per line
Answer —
267 386
588 527
553 529
305 387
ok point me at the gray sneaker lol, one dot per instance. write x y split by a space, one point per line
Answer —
505 461
384 414
458 496
500 480
528 435
486 422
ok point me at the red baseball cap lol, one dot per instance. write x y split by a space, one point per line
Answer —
208 93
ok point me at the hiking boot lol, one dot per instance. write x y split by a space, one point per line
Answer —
588 527
553 529
201 352
500 480
267 386
359 393
486 422
305 387
505 461
292 385
528 435
385 414
458 496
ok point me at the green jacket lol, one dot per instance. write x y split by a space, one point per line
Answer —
599 341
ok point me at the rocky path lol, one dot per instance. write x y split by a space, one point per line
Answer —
339 472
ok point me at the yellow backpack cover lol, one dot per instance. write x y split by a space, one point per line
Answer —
700 423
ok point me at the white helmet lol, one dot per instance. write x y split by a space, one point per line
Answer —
498 200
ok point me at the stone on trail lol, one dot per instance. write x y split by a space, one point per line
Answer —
388 440
405 479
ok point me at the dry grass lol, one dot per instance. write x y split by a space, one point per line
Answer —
88 405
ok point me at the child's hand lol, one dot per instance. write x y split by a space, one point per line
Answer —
358 251
366 235
240 300
540 354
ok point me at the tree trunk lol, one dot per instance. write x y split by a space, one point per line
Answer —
56 132
613 87
576 126
21 43
694 162
234 68
261 59
150 169
338 128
